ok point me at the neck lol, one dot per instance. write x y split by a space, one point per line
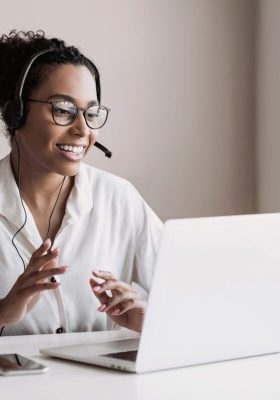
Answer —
39 189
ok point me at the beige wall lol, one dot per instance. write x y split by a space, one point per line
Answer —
179 78
268 101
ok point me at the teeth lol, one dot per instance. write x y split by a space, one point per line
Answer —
72 149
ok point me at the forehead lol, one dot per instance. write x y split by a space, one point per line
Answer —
70 80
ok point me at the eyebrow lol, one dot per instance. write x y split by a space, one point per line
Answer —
69 98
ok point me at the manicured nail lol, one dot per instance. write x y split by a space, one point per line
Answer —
97 288
116 312
102 307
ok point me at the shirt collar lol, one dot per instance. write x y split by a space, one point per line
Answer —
10 203
80 200
79 203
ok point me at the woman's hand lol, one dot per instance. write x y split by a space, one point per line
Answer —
125 306
26 290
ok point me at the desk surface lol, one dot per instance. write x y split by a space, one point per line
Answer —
250 378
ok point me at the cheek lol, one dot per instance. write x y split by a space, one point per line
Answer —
39 127
93 138
40 140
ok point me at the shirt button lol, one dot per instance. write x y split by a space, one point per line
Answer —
59 330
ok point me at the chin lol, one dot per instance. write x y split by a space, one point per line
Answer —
68 170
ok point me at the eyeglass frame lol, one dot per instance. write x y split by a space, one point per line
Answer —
77 108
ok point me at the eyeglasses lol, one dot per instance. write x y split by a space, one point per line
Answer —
65 112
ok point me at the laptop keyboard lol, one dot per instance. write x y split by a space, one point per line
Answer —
124 355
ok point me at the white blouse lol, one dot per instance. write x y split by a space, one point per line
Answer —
107 225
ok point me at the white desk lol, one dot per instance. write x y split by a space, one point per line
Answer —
251 378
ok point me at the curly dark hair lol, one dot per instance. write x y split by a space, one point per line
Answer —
15 50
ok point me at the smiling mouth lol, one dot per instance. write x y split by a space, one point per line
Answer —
71 149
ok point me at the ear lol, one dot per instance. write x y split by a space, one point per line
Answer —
14 113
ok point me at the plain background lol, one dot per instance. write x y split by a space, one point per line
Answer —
192 86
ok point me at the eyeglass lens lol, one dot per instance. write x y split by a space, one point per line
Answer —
65 112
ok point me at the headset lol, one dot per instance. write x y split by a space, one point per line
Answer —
14 111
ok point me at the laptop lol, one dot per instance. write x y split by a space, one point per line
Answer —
215 296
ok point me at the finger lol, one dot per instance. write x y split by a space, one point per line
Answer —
39 287
37 276
95 282
118 286
103 297
38 263
106 275
96 287
23 278
45 246
129 305
51 264
118 300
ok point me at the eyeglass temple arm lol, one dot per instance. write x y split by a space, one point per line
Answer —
107 152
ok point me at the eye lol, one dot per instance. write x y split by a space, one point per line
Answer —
91 115
92 112
62 111
64 108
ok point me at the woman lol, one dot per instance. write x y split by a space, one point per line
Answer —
73 238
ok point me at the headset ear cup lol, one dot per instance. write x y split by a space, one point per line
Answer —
13 113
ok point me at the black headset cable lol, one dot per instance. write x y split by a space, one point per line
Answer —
25 214
50 217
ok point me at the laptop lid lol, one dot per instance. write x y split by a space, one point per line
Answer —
215 293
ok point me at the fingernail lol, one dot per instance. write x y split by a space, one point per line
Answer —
116 312
102 307
97 288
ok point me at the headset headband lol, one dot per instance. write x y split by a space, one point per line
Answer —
14 111
32 59
26 68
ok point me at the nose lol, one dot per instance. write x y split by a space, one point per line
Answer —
79 126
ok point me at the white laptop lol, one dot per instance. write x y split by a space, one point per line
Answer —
215 296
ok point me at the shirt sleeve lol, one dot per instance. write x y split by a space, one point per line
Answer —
148 230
